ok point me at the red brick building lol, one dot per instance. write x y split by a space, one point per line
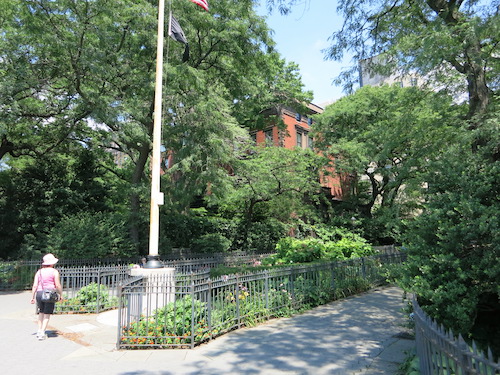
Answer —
296 133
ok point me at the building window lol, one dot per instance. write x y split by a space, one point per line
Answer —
254 137
299 139
309 142
413 82
298 117
269 136
309 121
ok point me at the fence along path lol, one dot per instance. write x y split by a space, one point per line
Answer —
441 353
18 275
183 312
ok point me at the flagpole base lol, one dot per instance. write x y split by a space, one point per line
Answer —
153 262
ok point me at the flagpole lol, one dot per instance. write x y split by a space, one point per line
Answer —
156 195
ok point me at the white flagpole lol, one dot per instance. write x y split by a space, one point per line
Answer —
169 30
156 195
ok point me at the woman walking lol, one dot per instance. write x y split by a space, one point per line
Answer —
46 277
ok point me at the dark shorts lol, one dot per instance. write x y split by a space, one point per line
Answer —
44 307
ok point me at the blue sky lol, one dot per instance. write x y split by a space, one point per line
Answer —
300 37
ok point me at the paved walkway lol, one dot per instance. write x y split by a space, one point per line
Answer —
358 335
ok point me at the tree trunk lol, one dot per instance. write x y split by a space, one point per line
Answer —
473 67
5 147
479 92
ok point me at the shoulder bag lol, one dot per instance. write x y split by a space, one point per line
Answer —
48 295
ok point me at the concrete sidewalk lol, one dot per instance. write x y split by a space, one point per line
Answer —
363 334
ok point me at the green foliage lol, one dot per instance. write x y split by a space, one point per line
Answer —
261 236
90 235
15 276
38 194
411 364
76 74
308 293
271 181
91 293
454 246
384 137
211 243
222 270
292 250
197 230
430 37
350 248
176 316
204 231
388 224
10 235
234 304
91 298
170 325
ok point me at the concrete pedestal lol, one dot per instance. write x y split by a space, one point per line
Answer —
159 288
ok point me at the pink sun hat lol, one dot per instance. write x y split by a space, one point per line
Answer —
49 260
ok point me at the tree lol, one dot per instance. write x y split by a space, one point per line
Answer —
454 246
385 137
84 71
88 234
271 182
425 36
37 194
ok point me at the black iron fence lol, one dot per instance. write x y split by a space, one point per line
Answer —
90 289
442 353
18 275
181 312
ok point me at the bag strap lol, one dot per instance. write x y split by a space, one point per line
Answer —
40 277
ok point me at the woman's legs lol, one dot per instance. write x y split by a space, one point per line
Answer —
40 321
45 310
43 321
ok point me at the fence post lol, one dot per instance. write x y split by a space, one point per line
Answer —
463 362
120 311
193 311
209 306
332 271
237 297
363 268
266 288
98 290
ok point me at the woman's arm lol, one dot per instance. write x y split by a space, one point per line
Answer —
57 281
35 287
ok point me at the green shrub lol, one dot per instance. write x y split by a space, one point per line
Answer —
351 248
292 250
91 298
176 316
263 236
333 251
16 276
222 270
196 230
211 243
170 325
90 235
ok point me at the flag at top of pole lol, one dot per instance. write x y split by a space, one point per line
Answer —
201 3
175 31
